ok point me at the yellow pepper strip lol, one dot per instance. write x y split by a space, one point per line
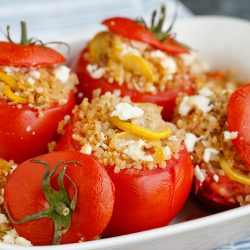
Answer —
8 80
140 131
234 174
3 163
12 96
138 65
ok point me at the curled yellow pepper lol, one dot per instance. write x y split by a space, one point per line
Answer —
234 174
9 84
140 131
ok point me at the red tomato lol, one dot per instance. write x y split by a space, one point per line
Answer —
144 199
166 99
131 29
28 55
24 196
16 142
220 195
238 119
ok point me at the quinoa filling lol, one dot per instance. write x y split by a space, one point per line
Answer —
203 117
37 87
139 65
124 134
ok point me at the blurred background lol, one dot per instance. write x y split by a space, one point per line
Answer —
235 8
60 19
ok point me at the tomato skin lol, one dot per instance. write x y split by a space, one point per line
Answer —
28 55
19 145
166 99
123 27
220 195
145 199
238 119
150 198
94 204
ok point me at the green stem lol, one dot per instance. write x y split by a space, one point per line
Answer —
24 36
62 209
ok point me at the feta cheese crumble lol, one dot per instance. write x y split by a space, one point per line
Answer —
205 91
126 111
62 73
190 140
199 174
135 152
195 101
167 153
86 149
95 72
230 135
208 154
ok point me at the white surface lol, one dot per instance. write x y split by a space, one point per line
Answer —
223 42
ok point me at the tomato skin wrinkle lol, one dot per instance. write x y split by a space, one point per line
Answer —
142 194
94 203
28 55
123 27
15 140
238 119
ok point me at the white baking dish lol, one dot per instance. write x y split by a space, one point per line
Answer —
222 42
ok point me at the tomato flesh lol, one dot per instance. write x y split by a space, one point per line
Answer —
144 199
28 55
19 144
24 196
166 99
238 119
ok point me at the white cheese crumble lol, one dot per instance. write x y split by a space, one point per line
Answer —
128 50
12 238
167 62
139 45
95 72
86 149
230 135
208 154
66 118
35 74
190 140
199 174
80 95
62 73
63 101
216 177
167 153
195 101
3 218
31 80
126 111
135 152
205 91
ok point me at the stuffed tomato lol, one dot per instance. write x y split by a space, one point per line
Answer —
36 92
144 156
147 64
216 124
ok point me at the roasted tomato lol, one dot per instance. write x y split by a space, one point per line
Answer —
145 64
221 177
238 118
35 93
149 183
61 197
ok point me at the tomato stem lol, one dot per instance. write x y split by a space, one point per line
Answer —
24 36
62 209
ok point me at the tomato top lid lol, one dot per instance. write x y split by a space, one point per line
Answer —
29 52
153 34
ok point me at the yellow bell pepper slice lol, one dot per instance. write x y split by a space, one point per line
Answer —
8 80
138 65
12 96
233 174
140 131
